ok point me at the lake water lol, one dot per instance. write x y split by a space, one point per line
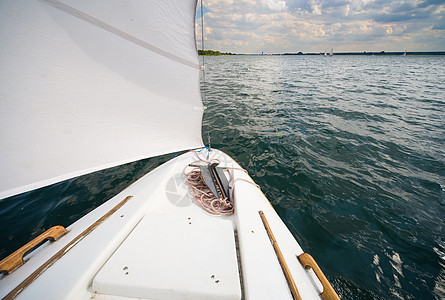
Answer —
350 150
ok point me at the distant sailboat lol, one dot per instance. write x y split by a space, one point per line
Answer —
332 52
404 54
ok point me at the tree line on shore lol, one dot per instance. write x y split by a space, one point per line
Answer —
213 53
218 53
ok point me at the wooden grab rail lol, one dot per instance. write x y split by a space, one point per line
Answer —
284 267
62 251
309 262
15 260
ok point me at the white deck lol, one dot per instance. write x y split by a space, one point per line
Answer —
168 255
161 245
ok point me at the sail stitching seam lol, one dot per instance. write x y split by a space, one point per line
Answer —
96 22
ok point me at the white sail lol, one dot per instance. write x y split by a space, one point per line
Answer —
86 85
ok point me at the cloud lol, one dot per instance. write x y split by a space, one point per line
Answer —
275 4
299 6
439 27
277 26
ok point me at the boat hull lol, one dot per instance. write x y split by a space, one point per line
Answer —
160 244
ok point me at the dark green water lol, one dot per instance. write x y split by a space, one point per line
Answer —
349 150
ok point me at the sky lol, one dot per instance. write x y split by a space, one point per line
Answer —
280 26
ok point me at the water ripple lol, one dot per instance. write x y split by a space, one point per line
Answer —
350 152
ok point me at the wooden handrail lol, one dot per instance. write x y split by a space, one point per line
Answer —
15 260
284 267
63 251
309 262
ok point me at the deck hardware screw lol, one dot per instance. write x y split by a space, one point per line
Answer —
122 216
125 268
213 276
126 273
217 281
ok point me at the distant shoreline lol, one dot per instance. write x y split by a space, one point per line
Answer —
375 53
213 53
379 53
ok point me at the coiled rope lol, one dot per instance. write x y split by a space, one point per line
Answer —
205 198
201 193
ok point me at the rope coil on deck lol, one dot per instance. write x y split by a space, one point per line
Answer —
205 198
202 194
